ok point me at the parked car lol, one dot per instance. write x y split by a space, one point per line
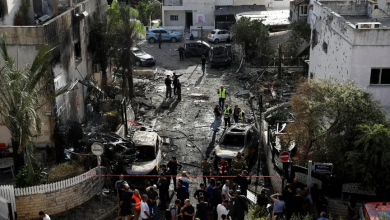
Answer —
218 35
241 138
375 210
196 49
219 56
152 35
148 144
141 58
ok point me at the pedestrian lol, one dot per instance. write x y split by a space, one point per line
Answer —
240 206
152 202
217 197
119 187
191 37
136 204
226 191
203 64
308 201
164 170
241 116
323 216
297 203
222 96
163 190
159 40
221 209
226 115
44 216
181 192
125 203
145 214
173 167
209 190
322 204
181 52
202 192
151 184
238 164
351 207
188 211
217 115
168 90
295 185
186 182
173 211
261 204
288 194
202 209
178 90
236 114
228 40
175 80
223 169
206 169
279 205
243 182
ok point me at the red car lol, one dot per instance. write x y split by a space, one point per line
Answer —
375 211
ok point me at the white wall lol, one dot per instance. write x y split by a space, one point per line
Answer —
180 22
277 5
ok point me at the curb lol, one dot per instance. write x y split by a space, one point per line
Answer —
108 213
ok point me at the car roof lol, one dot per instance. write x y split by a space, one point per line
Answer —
239 129
220 30
135 48
144 138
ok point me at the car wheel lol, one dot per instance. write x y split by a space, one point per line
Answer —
151 40
173 39
216 41
138 63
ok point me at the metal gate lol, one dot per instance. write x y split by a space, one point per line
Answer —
7 202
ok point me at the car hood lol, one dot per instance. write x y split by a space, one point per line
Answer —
141 168
144 56
228 153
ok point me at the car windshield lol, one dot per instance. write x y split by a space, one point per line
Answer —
233 141
146 153
219 51
212 32
138 52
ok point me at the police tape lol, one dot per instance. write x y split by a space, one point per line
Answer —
194 176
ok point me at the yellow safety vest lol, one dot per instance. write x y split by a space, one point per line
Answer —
222 93
226 112
240 118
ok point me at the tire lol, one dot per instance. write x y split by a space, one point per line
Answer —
152 40
138 63
216 41
173 39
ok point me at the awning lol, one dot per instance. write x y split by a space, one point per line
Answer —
232 10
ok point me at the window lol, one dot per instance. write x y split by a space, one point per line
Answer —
163 31
303 9
325 47
77 52
174 17
380 76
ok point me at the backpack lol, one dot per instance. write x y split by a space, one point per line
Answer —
168 215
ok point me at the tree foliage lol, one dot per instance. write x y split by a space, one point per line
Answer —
328 114
145 10
299 34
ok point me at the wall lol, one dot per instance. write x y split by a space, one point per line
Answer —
277 5
57 201
180 22
248 2
344 8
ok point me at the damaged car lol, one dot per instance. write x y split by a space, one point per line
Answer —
219 56
198 48
141 58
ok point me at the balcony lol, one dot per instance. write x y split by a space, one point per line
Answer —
173 3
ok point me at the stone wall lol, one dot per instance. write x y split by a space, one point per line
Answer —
57 201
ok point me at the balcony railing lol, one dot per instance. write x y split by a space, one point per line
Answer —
173 3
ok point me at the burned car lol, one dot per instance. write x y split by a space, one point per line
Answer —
141 58
241 138
148 144
198 48
219 56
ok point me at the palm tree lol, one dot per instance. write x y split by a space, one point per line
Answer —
123 23
22 93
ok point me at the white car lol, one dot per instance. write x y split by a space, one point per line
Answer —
218 35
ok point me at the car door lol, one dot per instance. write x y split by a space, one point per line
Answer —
221 35
165 35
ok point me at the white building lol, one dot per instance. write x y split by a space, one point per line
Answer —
351 40
217 13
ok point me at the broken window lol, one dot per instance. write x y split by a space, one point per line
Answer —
380 76
325 47
77 52
314 38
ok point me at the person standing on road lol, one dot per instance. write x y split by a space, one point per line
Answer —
203 64
202 192
298 203
173 167
238 164
136 204
202 209
236 114
181 53
241 116
163 190
175 210
188 211
209 190
222 96
223 169
119 187
221 209
152 202
243 182
125 203
181 192
217 197
186 182
226 115
175 81
217 115
168 83
279 205
164 170
240 206
206 169
159 40
44 216
178 87
145 214
226 191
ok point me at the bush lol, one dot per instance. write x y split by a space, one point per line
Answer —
65 171
37 176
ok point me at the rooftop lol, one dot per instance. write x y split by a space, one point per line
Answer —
385 22
270 18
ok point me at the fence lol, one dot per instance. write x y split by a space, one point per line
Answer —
7 192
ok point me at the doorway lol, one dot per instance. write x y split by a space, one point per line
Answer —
188 19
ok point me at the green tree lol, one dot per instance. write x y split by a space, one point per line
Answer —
157 12
125 29
300 33
145 10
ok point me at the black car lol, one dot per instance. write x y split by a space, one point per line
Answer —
196 49
141 58
219 56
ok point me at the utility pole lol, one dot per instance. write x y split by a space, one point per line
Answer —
280 62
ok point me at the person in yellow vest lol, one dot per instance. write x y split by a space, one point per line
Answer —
241 116
226 115
238 164
222 96
136 204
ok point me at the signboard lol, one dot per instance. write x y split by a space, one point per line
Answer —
97 148
200 18
322 167
284 156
